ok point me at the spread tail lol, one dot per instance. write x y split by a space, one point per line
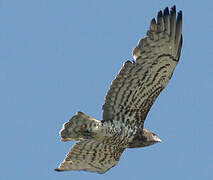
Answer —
79 127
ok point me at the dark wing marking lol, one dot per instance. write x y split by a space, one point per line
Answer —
138 84
91 156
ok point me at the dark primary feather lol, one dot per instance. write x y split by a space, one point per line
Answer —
138 84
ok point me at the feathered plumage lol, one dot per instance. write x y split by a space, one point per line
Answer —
128 101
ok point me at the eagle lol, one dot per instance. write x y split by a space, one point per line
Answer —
128 101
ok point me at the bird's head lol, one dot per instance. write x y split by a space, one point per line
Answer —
144 138
150 137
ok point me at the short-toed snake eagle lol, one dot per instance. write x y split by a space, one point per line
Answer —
128 101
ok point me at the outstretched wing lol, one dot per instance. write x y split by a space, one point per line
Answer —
139 83
91 156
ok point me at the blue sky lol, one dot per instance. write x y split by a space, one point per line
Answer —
60 56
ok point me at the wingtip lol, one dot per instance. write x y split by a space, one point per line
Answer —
173 9
153 25
166 11
160 14
153 21
179 15
58 170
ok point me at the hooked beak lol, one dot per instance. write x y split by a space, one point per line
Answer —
157 139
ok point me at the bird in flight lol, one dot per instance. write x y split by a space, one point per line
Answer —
127 102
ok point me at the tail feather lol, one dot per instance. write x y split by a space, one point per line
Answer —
79 127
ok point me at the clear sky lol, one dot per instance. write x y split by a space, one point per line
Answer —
60 56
